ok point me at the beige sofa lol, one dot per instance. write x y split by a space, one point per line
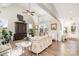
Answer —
39 43
4 49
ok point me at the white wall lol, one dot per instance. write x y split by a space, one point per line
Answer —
68 23
56 34
48 20
10 14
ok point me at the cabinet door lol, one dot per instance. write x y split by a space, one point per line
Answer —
24 28
20 30
20 27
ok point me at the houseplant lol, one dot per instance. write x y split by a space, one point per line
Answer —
6 35
31 32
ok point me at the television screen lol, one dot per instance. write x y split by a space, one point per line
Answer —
20 17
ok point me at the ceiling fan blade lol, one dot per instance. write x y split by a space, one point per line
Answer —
24 12
32 12
27 10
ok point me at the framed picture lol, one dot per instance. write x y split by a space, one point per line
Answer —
73 28
54 26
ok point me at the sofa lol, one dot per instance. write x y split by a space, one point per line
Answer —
39 43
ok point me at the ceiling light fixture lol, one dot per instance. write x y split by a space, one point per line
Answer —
28 11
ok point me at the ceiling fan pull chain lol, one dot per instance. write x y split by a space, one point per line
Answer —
29 6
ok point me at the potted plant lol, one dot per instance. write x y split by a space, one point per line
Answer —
6 35
31 32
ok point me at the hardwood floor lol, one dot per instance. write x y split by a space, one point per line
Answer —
67 48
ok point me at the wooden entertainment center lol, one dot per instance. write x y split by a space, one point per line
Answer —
20 30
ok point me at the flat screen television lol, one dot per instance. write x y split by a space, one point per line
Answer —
20 17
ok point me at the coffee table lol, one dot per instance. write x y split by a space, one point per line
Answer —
24 45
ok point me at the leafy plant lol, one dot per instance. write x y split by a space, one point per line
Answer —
31 32
6 34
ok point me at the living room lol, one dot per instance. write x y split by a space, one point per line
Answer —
39 29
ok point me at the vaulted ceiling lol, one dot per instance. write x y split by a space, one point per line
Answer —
56 10
62 10
67 10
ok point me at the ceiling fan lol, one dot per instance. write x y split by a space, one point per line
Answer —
28 11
